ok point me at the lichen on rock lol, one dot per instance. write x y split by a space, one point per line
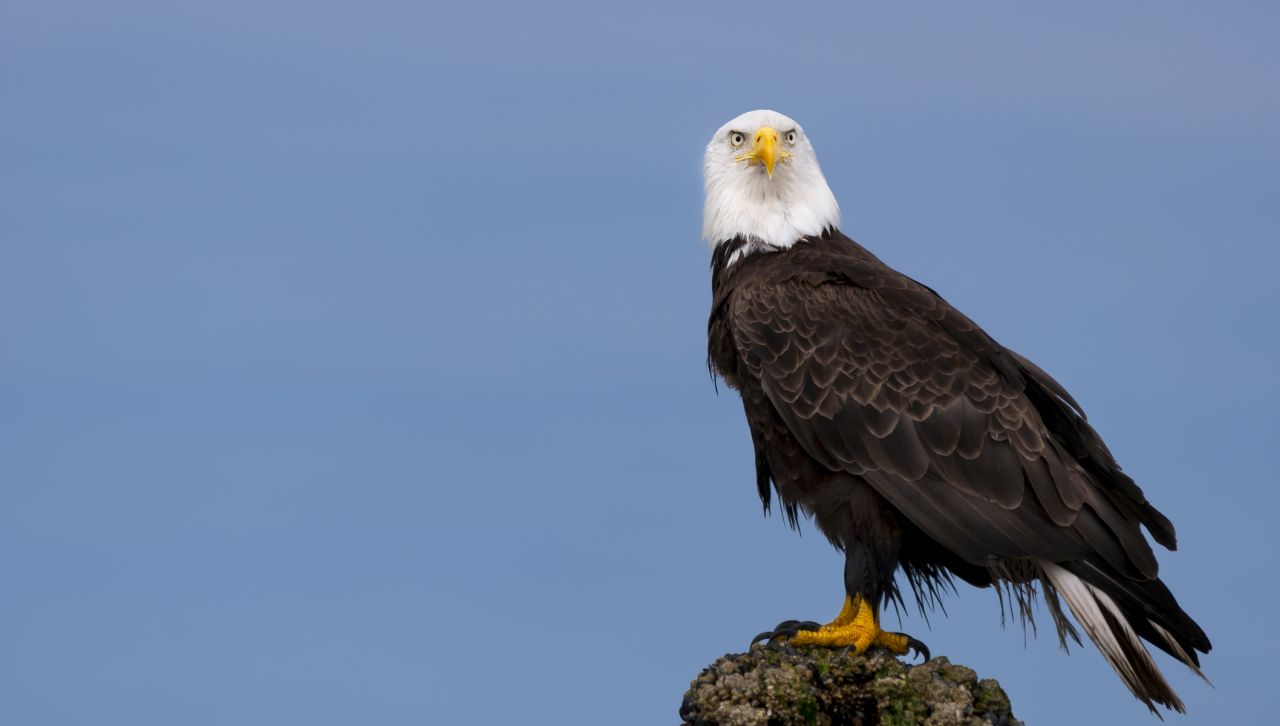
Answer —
821 687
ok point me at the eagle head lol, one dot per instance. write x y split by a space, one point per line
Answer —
764 184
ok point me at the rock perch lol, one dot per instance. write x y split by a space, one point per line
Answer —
819 686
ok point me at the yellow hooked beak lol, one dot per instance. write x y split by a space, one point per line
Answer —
764 149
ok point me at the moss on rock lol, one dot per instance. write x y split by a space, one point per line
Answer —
812 686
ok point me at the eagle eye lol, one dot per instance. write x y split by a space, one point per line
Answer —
791 136
736 138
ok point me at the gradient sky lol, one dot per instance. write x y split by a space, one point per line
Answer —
352 356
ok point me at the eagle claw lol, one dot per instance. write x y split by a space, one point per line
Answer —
916 647
785 629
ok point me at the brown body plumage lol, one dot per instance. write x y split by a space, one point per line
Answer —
917 442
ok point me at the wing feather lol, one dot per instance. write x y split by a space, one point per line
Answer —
874 375
877 376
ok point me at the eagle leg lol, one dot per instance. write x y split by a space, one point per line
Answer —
855 629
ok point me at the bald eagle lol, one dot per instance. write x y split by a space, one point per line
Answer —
916 442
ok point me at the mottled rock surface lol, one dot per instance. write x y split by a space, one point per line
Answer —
819 686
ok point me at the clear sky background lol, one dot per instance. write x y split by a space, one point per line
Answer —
352 356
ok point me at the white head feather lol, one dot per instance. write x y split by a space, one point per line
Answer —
743 200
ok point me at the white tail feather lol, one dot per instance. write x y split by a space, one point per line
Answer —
1112 634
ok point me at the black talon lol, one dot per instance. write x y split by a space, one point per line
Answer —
794 627
918 648
785 629
914 647
778 631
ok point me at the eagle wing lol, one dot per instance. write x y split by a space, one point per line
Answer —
878 376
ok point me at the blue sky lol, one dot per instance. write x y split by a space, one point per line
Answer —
351 357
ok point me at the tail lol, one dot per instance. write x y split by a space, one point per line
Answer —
1118 615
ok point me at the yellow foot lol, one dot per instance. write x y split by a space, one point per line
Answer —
855 629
